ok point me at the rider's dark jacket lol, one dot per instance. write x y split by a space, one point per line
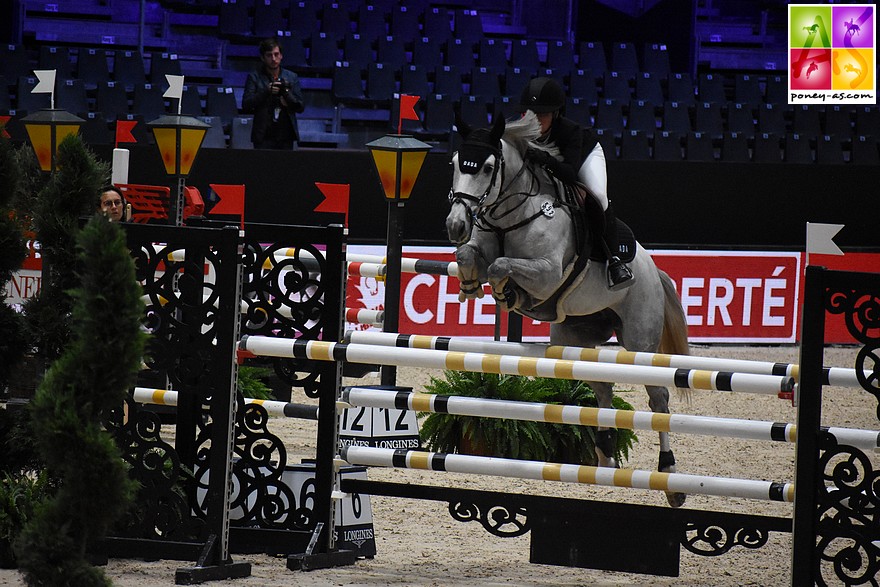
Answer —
574 143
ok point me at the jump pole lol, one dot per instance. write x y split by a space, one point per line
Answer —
835 376
168 397
583 474
407 264
586 416
512 365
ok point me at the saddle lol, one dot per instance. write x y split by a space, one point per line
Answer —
594 217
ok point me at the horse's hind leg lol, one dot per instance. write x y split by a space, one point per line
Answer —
606 438
658 401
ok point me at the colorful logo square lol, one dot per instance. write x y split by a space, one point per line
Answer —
832 54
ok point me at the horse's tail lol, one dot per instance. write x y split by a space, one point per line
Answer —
674 339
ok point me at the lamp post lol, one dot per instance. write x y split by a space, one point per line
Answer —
46 129
179 139
398 159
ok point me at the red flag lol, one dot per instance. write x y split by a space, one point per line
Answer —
407 110
335 198
4 120
123 131
231 200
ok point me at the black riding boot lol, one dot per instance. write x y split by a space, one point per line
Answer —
619 275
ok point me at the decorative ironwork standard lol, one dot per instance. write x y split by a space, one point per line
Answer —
836 530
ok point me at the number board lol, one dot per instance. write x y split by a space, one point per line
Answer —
379 427
353 524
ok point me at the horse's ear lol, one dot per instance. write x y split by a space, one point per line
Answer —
497 129
463 128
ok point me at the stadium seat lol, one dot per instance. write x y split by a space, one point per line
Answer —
667 146
92 66
648 87
624 59
698 147
864 150
797 149
485 82
676 118
524 54
740 119
641 115
240 132
128 68
655 59
680 89
829 150
634 145
710 88
591 56
735 148
582 85
767 148
70 94
615 86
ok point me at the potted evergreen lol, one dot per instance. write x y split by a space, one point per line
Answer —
517 439
89 379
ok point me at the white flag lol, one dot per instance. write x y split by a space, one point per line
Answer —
175 86
820 238
45 81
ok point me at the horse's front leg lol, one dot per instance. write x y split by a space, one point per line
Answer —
539 278
658 401
471 271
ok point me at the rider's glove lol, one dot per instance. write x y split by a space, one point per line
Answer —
538 156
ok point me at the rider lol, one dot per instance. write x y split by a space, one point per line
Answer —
583 160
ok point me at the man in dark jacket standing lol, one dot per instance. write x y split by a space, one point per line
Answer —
274 96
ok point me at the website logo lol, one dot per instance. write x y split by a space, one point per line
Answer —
832 54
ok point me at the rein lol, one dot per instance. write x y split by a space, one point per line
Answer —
487 218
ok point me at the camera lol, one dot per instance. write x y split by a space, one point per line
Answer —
283 85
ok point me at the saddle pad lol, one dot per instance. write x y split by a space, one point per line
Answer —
626 245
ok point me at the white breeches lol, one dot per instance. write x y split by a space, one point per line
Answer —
593 175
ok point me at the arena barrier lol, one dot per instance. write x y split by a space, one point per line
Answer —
513 365
583 474
587 416
835 376
168 397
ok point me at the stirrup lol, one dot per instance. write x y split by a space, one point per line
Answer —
619 275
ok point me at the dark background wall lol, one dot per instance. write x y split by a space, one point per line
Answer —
699 205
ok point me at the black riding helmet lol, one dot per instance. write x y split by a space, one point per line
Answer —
541 95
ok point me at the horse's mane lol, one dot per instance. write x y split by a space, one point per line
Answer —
523 133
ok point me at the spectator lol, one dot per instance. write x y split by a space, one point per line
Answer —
112 204
274 97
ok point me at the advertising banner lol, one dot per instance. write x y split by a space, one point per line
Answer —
728 297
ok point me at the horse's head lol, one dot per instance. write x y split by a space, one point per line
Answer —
474 170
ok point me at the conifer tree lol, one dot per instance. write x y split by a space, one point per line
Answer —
12 254
91 377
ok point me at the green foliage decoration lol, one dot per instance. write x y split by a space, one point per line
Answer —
91 378
251 382
19 496
517 439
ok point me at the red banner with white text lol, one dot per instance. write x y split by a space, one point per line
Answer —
728 297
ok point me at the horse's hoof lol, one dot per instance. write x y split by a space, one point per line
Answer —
676 500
